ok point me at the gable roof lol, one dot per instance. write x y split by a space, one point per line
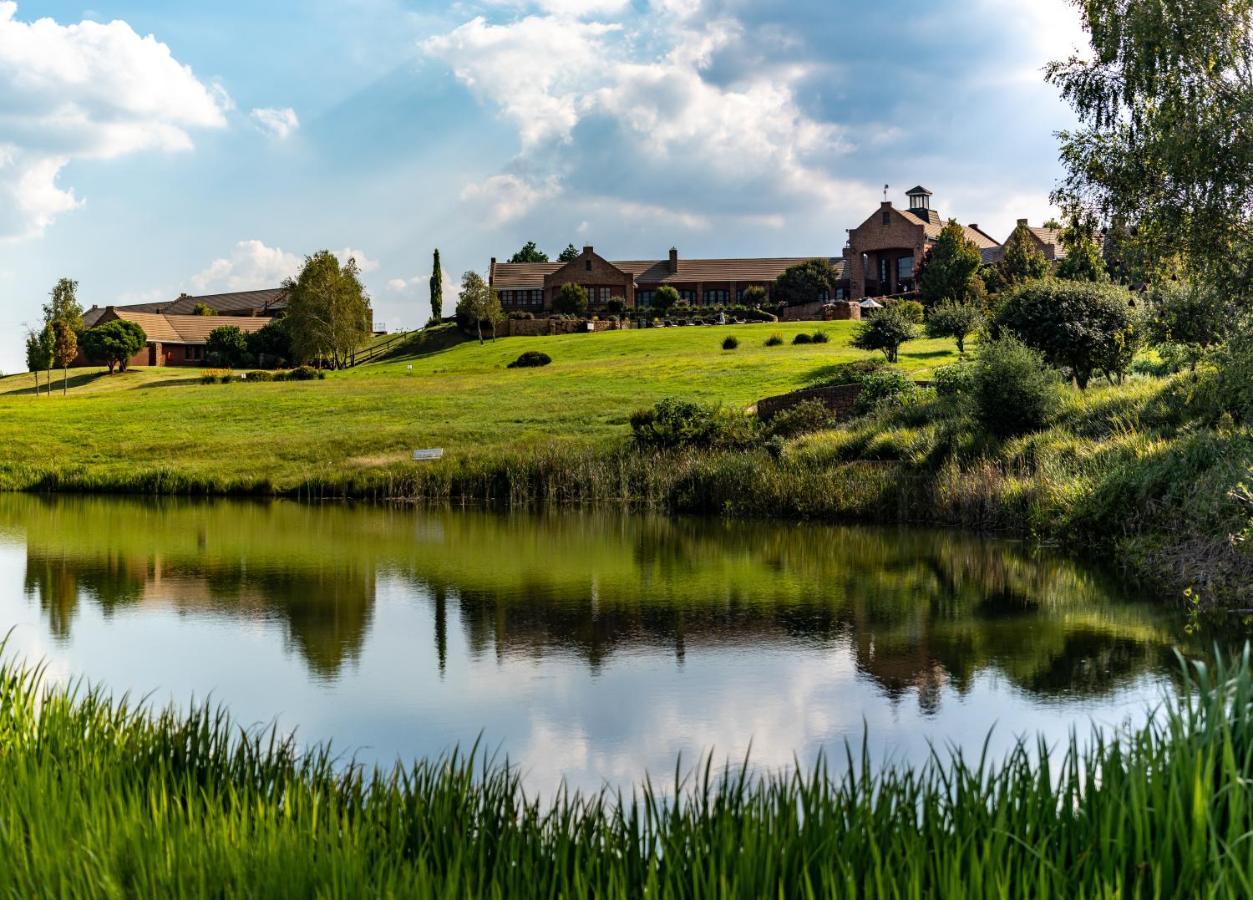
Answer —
167 329
530 276
234 303
1049 237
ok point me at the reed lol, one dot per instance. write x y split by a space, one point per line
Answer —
102 797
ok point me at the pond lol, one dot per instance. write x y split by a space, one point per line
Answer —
589 646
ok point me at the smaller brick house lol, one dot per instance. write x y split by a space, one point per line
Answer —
173 340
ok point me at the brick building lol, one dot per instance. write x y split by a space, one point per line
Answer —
266 303
702 282
173 340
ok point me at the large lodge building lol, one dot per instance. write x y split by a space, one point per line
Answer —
880 259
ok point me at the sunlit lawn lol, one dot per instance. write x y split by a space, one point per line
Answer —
463 399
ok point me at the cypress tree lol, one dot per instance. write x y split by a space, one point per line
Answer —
437 290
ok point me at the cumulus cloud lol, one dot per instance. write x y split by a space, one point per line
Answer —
277 123
598 116
508 197
85 91
253 264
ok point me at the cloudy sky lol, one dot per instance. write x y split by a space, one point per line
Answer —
149 148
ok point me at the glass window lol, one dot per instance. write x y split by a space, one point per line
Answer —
887 217
689 296
905 269
717 297
644 298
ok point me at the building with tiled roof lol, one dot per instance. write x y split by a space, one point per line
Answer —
266 303
701 282
173 340
1047 240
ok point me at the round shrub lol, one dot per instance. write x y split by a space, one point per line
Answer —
911 310
1014 390
673 423
774 340
304 373
883 387
804 417
259 375
802 338
820 337
531 359
954 381
730 343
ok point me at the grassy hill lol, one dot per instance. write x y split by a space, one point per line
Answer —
461 397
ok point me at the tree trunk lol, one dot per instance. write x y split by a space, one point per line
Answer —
65 380
480 328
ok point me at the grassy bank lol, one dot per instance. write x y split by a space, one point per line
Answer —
101 798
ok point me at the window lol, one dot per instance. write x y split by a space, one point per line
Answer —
644 298
537 298
588 264
887 217
195 354
905 273
602 295
689 296
717 297
824 295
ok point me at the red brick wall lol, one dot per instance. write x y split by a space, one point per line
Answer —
872 236
590 271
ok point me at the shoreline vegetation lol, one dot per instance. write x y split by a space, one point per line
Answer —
169 802
1123 473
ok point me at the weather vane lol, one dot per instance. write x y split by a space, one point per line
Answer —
885 192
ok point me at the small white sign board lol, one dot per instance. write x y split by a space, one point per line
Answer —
434 453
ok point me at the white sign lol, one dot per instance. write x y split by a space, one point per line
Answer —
434 453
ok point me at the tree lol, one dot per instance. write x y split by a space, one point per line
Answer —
1022 260
570 254
38 354
63 305
1013 390
112 344
571 300
328 312
949 270
1198 317
529 254
755 296
665 298
271 345
1162 147
478 303
227 346
203 309
949 319
806 282
1084 260
1080 327
889 328
437 289
64 349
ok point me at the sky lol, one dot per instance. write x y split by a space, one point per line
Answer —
151 148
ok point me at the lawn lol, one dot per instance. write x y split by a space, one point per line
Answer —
463 398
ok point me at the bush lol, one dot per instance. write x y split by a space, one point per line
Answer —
217 376
774 340
674 423
227 346
616 306
954 381
531 359
955 320
304 373
571 299
260 375
1082 327
271 345
890 328
1014 391
802 338
730 343
521 316
820 337
882 388
113 344
911 310
803 418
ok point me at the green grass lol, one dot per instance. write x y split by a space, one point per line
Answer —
158 426
103 798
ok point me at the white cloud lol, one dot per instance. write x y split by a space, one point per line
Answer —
251 265
85 91
509 197
364 263
397 285
663 121
277 123
420 285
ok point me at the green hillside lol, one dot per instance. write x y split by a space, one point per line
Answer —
462 398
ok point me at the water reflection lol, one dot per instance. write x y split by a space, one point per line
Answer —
589 644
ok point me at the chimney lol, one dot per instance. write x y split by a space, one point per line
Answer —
587 249
974 226
674 261
1022 223
491 272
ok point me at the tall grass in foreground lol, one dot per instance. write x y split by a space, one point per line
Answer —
99 797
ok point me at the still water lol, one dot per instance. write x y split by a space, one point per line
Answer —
592 647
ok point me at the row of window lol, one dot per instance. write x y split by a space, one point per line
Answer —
600 295
522 298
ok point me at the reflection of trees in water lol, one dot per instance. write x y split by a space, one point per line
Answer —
326 610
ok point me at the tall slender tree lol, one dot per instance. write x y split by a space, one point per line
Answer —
950 270
38 355
64 349
437 289
63 305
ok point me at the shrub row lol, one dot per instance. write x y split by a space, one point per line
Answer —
300 373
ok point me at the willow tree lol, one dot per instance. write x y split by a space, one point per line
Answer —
1164 151
328 312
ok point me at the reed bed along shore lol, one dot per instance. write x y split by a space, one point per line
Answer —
101 797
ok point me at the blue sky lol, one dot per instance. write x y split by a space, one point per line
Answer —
149 148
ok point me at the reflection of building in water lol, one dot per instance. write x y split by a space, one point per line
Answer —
326 610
